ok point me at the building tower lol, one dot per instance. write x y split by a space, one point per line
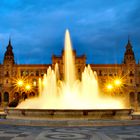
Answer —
9 55
129 56
130 72
8 70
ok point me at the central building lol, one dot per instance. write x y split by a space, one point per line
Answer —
11 73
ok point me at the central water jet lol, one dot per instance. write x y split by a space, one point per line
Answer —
69 62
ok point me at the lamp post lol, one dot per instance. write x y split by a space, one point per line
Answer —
109 88
117 82
27 88
20 83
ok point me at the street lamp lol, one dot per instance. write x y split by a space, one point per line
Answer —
19 83
109 87
28 87
117 82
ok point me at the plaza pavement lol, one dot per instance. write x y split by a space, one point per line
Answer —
11 132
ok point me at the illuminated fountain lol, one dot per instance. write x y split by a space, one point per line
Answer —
70 93
65 99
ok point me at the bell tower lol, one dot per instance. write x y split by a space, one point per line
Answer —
7 71
130 72
8 65
129 56
9 55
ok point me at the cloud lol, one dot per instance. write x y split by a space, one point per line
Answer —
37 28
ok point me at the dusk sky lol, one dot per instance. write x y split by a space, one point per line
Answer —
98 28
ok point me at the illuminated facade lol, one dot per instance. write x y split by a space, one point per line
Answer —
10 72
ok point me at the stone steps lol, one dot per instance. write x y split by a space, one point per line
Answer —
70 123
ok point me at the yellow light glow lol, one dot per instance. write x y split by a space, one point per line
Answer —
20 83
27 87
117 82
109 87
34 83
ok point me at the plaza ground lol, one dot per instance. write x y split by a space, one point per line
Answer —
12 132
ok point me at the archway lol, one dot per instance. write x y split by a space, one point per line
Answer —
32 94
6 97
139 99
132 99
15 100
24 95
0 98
16 95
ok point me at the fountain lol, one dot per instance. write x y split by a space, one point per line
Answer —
71 98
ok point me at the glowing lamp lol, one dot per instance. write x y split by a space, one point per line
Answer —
117 82
27 87
20 83
109 87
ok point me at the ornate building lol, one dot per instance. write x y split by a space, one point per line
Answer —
10 72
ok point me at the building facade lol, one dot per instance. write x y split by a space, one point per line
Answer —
10 73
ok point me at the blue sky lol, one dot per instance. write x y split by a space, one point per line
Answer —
98 28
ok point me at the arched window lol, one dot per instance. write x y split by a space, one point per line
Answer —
100 73
132 98
34 82
139 98
37 73
131 73
32 94
16 95
6 97
0 98
24 96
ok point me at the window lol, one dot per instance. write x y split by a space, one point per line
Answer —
7 81
34 82
21 73
16 95
139 98
37 73
79 70
24 95
31 73
0 98
6 97
7 74
131 73
26 73
132 98
100 73
32 94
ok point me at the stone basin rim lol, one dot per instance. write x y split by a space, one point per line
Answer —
12 108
